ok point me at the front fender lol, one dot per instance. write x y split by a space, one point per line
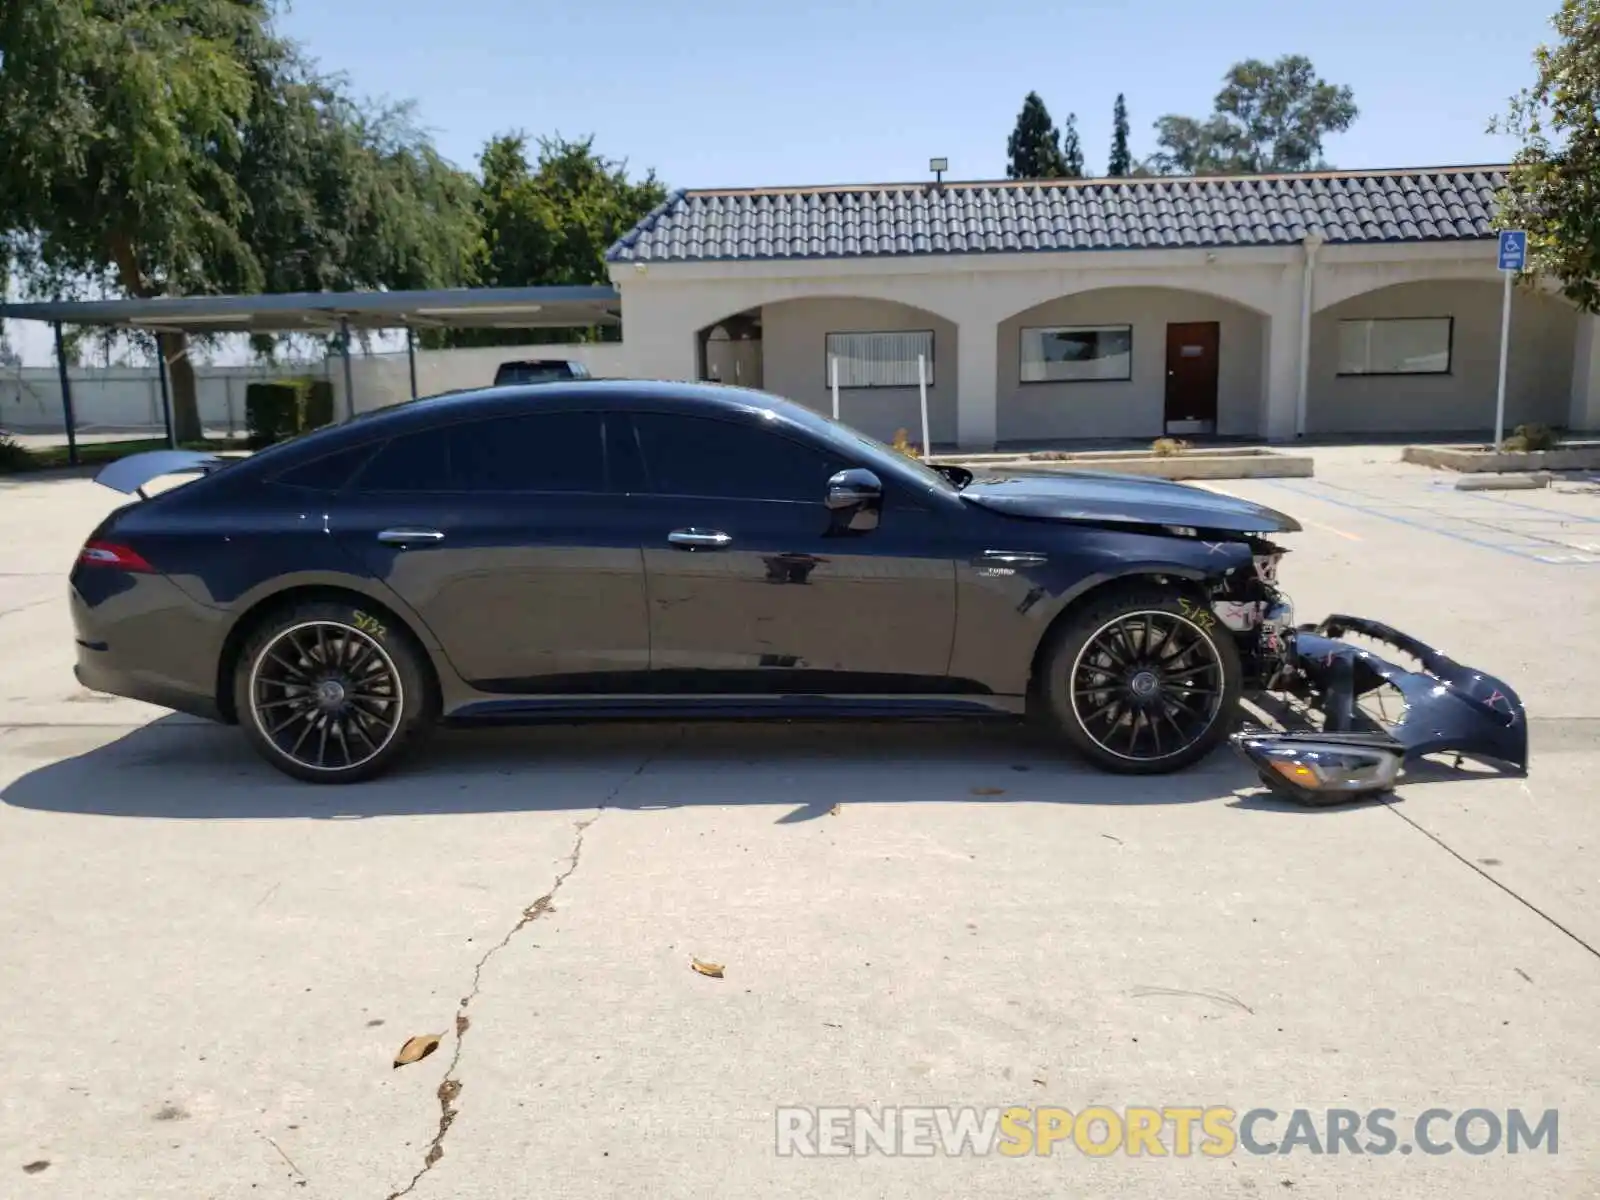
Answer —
1004 610
1132 556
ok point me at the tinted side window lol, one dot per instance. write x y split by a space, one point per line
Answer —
413 462
328 473
624 460
539 452
699 456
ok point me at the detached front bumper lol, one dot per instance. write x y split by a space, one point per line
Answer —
1448 707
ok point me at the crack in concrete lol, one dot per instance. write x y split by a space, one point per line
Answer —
7 612
1389 803
450 1087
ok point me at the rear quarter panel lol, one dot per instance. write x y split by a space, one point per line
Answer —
230 550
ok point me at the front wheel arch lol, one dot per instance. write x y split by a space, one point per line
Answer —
1180 584
1059 708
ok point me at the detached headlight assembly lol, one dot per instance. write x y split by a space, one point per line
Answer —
1319 768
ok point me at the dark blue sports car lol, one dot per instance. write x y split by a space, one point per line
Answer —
618 549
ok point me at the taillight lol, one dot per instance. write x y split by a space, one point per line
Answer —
109 554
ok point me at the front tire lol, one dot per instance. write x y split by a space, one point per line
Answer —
1143 682
330 693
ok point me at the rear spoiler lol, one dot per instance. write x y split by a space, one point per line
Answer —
129 475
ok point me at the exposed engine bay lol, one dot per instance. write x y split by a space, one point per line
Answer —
1260 616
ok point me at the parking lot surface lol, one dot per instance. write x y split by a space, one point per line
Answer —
206 969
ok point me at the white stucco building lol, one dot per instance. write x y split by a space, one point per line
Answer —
1334 302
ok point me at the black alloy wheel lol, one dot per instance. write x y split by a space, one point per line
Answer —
332 694
1143 681
327 696
1147 685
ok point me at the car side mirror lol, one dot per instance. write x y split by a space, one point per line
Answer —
855 497
854 488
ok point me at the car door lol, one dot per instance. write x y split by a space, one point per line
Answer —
757 587
505 536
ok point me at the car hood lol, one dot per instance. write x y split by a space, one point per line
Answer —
1100 497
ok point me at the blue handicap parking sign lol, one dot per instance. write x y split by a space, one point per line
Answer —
1513 249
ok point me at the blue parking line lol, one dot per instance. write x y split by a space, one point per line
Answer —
1545 512
1544 560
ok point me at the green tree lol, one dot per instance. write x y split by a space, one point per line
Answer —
104 111
1187 146
1033 151
1121 160
344 195
1553 188
550 221
179 147
1267 117
1071 149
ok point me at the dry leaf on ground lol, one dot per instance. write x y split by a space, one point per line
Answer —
417 1048
714 970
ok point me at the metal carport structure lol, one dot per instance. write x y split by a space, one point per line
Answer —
554 307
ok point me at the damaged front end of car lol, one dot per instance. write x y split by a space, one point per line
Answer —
1340 749
1324 743
1349 752
1445 707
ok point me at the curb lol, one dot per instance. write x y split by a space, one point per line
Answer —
1506 482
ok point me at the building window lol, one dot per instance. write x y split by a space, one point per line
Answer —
1400 346
1077 353
874 360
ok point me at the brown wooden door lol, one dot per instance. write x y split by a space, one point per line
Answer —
1192 376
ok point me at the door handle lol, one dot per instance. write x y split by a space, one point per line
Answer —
700 539
404 537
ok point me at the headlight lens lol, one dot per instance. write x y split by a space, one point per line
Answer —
1306 764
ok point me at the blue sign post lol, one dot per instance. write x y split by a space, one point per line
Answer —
1513 258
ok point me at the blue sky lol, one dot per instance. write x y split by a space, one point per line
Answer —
715 94
729 94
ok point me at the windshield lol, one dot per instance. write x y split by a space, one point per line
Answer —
886 457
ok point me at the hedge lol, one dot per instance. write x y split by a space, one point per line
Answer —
286 407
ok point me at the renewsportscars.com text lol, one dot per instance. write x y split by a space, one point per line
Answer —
1159 1132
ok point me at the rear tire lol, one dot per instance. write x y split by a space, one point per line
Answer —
1142 682
330 693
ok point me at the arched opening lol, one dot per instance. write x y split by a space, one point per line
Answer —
730 350
1130 362
1424 357
789 348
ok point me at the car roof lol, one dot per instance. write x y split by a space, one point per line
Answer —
591 394
595 395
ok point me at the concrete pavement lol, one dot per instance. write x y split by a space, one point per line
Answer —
205 969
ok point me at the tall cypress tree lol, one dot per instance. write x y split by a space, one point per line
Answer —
1034 149
1071 149
1121 160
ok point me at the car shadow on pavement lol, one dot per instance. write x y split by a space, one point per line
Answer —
178 768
